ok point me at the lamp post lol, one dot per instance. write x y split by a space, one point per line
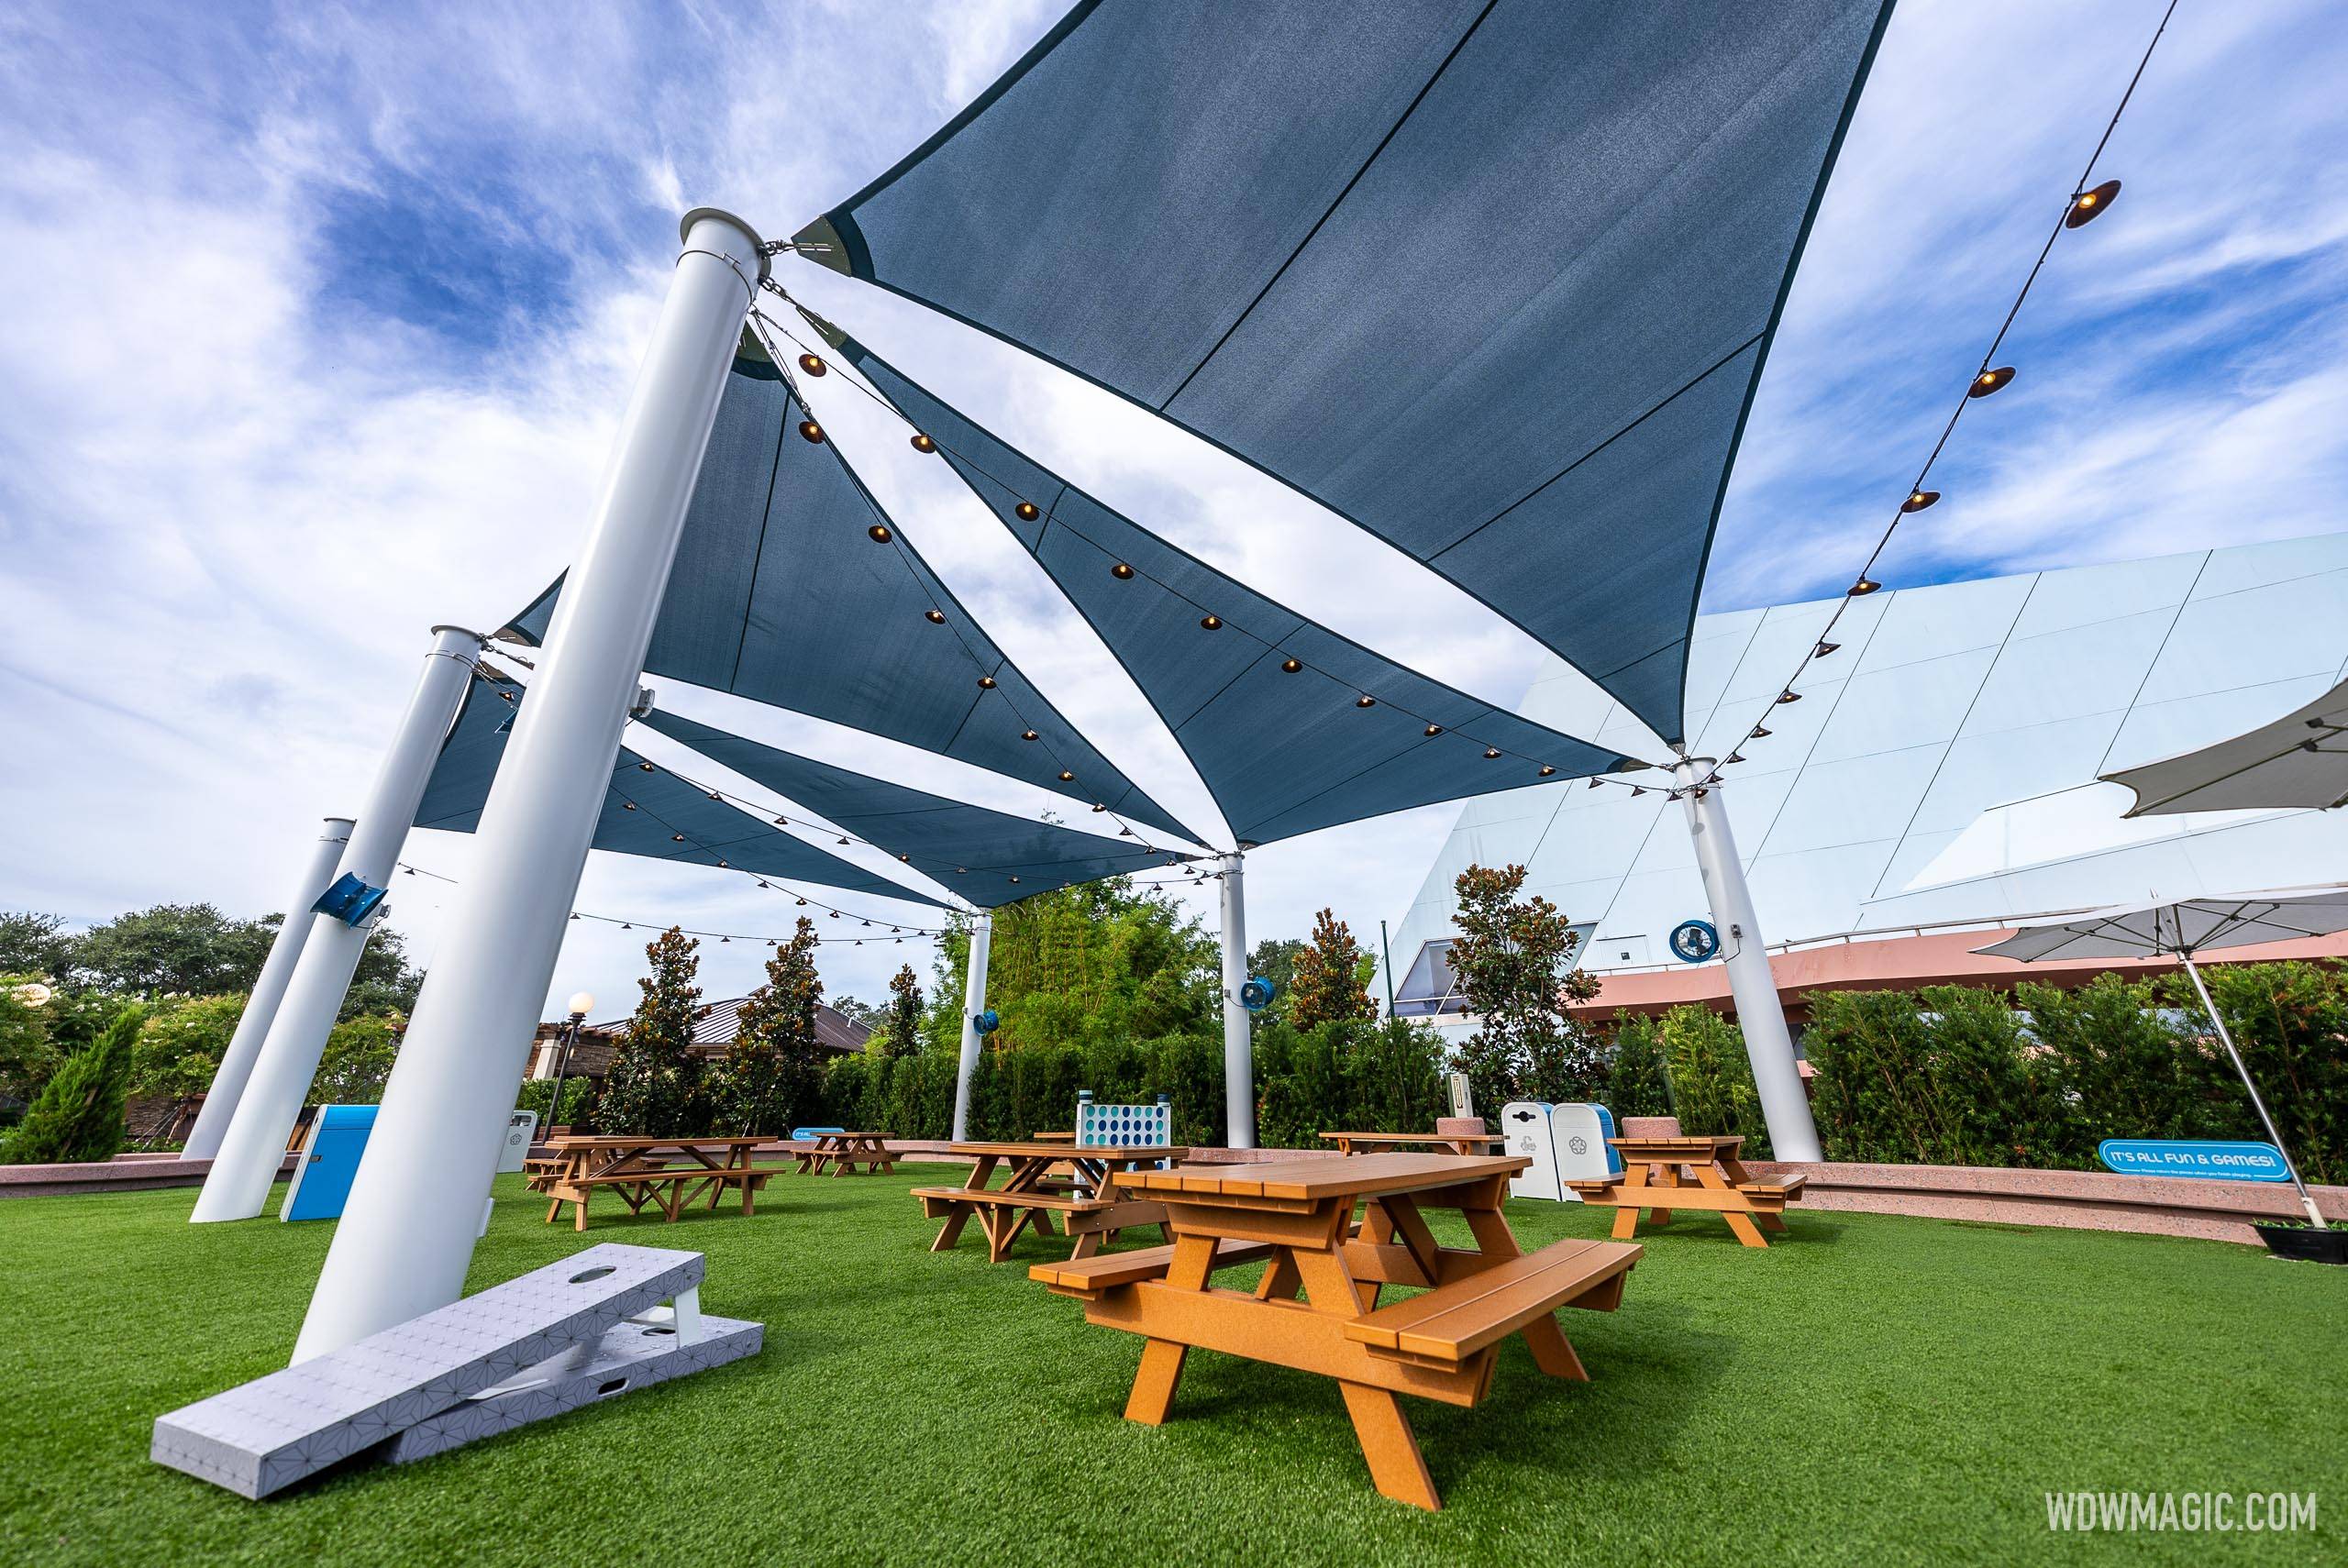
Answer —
582 1003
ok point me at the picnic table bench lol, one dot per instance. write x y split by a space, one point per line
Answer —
1300 1215
668 1172
1097 1208
1652 1178
843 1151
1395 1142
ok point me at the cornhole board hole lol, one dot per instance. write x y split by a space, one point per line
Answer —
552 1340
521 1132
1525 1123
329 1161
1577 1137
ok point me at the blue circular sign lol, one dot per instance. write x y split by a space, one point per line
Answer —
1694 941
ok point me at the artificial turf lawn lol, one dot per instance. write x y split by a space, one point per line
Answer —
1870 1389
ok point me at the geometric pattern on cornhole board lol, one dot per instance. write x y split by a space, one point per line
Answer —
1124 1126
630 1355
264 1435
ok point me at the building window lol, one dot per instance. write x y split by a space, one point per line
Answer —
1430 989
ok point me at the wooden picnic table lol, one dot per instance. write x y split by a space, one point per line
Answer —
1298 1215
843 1151
1395 1142
1095 1208
1698 1171
645 1170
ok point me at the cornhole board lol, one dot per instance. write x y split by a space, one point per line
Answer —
329 1161
1525 1123
521 1132
531 1348
1100 1126
1577 1137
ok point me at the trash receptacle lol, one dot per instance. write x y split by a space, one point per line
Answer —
1525 1123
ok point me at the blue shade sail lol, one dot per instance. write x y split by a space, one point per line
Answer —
663 806
780 593
986 856
1493 279
1282 751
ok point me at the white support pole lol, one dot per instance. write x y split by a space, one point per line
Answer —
236 1187
407 1231
1794 1135
1238 1042
2315 1215
260 1007
974 1003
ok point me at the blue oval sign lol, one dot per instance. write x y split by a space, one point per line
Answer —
2181 1158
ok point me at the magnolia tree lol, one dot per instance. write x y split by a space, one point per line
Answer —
774 1072
901 1033
1514 959
654 1087
1331 976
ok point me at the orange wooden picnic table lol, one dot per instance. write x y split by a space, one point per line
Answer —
1299 1214
645 1170
843 1151
1091 1205
1395 1142
1695 1171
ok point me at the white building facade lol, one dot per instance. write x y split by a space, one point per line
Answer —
1942 765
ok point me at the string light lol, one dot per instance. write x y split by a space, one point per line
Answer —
646 767
1025 510
1029 735
1433 730
2087 206
934 617
986 682
878 533
1546 770
811 432
813 364
1491 754
1988 382
1066 777
2086 203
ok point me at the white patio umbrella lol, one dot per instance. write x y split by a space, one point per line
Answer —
2184 927
2301 759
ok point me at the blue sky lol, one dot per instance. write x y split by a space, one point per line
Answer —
323 316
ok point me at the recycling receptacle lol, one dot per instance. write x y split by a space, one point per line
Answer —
1526 1124
521 1132
329 1161
1578 1140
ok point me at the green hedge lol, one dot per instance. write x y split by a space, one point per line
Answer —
1344 1075
1951 1074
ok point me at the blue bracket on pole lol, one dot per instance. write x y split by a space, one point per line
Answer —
349 900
